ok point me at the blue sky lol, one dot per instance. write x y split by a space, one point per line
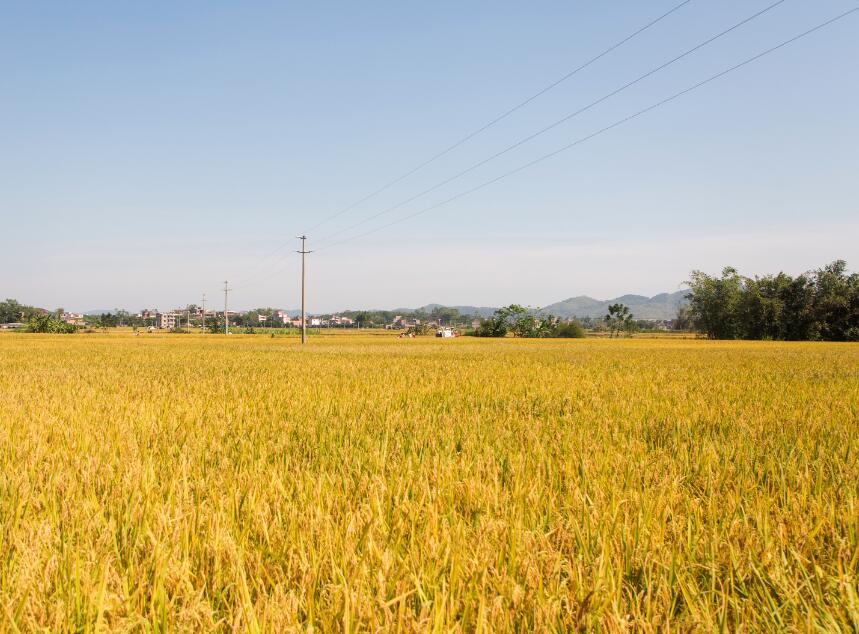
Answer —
149 151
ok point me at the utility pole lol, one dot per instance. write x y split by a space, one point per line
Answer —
303 253
203 321
226 312
189 321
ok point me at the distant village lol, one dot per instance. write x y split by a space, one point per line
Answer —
197 316
275 318
247 319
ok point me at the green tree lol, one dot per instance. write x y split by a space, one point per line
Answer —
713 303
491 327
499 324
444 315
214 324
836 303
46 323
683 321
619 319
820 305
798 320
531 326
362 318
515 319
11 311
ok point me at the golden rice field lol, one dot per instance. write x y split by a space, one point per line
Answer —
195 483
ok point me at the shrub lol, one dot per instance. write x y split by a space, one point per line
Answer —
491 327
48 324
569 330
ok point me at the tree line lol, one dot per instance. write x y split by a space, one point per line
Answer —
442 314
522 322
820 305
530 323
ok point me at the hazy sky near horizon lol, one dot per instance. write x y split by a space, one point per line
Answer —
149 151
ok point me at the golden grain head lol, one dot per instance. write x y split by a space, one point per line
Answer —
176 483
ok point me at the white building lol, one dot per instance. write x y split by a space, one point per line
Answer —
76 319
337 320
167 320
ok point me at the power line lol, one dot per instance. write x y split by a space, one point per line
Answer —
556 123
252 280
484 127
242 282
504 115
598 132
588 137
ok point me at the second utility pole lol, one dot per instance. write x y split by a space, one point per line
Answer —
303 253
226 312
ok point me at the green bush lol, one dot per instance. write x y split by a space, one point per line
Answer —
492 327
569 330
48 324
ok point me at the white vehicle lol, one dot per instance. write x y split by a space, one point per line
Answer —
444 332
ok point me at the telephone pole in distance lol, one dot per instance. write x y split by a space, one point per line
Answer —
227 290
303 253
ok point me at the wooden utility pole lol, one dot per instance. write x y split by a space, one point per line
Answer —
303 253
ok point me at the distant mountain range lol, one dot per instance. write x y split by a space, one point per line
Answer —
662 306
